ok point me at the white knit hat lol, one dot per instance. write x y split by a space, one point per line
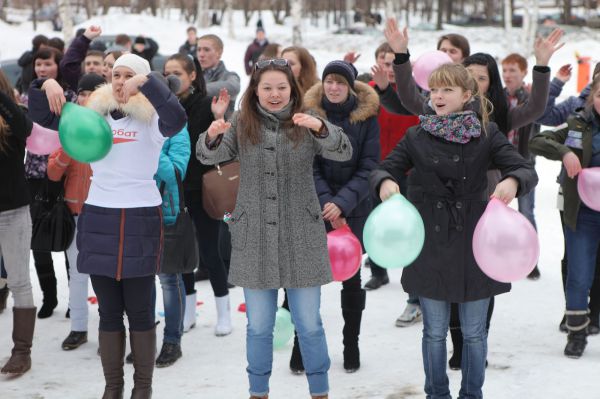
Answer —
134 62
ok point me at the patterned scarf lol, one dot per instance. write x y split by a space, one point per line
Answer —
456 127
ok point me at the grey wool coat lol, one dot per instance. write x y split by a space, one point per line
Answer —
278 237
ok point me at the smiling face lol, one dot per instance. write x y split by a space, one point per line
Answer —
119 76
448 99
513 76
174 67
207 54
273 90
47 69
482 77
335 90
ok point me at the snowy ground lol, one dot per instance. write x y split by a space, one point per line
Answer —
525 347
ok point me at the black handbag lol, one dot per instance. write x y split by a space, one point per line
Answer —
180 248
53 223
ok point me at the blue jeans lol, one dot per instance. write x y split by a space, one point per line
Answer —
174 304
582 249
526 205
436 317
261 306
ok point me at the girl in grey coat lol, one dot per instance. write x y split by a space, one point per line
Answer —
277 232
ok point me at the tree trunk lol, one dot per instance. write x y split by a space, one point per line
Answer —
567 4
64 10
202 17
296 11
34 7
508 34
440 14
489 11
230 24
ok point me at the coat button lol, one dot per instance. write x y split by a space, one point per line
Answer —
459 228
270 148
435 160
439 205
437 228
456 158
272 223
458 205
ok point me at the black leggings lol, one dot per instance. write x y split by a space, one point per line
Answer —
132 295
213 245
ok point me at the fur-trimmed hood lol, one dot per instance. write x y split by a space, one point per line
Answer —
138 106
367 101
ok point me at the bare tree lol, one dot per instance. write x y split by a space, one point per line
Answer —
64 11
508 33
230 25
202 17
296 11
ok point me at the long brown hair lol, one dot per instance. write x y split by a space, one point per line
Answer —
589 103
249 120
458 75
7 89
308 72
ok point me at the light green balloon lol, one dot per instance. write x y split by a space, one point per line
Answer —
84 134
394 233
284 328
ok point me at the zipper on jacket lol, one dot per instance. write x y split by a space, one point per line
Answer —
160 244
121 245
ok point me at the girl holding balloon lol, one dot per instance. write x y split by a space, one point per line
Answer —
449 154
15 226
277 234
578 147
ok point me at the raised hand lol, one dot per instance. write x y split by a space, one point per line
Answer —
396 38
380 77
564 73
55 95
218 127
351 57
544 48
92 32
219 105
132 86
308 121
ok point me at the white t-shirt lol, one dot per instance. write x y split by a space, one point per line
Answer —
125 177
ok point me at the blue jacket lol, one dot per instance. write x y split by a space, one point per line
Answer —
346 184
557 114
175 154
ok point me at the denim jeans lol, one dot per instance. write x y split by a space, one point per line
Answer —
436 317
582 249
15 241
174 304
526 206
261 306
78 290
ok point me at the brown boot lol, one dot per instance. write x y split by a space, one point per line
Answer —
259 397
320 397
112 354
22 335
143 348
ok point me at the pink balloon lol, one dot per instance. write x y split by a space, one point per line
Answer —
426 64
345 253
588 185
42 141
505 243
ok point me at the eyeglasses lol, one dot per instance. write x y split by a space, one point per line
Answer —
282 62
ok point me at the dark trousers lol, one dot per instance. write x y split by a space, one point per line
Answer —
134 296
214 245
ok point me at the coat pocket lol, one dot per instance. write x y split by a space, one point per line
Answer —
238 227
314 228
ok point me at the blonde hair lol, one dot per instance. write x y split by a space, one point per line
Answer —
336 77
457 75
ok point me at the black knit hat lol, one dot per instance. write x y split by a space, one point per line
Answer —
90 81
343 68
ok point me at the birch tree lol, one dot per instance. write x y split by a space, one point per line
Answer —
202 17
508 33
296 12
66 16
230 23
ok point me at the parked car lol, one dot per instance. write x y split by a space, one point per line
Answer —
12 70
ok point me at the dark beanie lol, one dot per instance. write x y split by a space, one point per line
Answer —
343 68
140 40
90 81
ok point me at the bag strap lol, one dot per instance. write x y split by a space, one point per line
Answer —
179 188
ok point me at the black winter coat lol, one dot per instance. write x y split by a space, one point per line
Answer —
346 184
200 117
448 186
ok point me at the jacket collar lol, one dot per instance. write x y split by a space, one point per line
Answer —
138 106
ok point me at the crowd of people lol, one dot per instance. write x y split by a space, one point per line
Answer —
315 153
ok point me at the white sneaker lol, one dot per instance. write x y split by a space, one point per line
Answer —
223 326
411 315
189 316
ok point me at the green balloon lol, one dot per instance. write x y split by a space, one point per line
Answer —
394 233
284 328
84 134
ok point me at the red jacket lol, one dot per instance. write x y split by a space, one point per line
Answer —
77 181
392 128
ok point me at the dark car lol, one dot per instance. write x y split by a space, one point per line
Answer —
12 70
158 62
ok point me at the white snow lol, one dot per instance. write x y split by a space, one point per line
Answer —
525 346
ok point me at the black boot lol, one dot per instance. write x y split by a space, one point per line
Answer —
577 322
457 343
296 364
562 327
169 354
353 304
47 279
3 298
